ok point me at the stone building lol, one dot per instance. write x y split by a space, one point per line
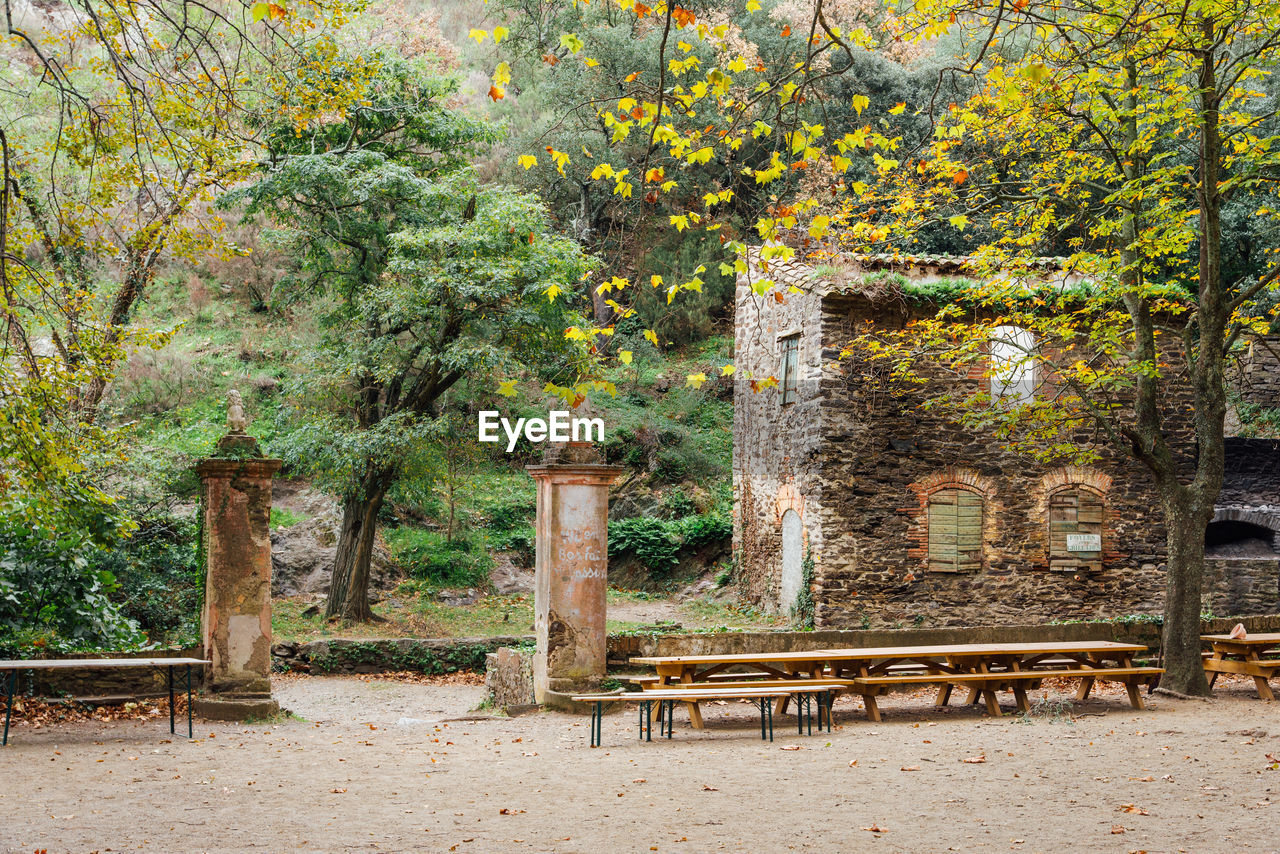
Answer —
892 514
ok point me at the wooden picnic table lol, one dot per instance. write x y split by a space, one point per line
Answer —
1243 655
983 667
14 665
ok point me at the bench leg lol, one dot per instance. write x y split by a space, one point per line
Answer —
695 714
944 694
1213 677
830 702
190 728
993 704
873 710
1020 694
1086 685
975 694
172 716
1135 697
1264 690
8 707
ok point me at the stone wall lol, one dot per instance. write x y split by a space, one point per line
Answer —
774 445
1251 473
426 655
1258 377
1234 586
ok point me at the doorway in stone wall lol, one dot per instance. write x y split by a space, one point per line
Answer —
792 561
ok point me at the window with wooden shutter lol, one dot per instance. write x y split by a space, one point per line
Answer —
1075 530
790 368
955 531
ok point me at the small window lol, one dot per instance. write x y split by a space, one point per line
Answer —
1013 373
955 531
1075 530
790 368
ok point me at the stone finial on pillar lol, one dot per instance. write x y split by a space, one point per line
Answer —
236 540
572 571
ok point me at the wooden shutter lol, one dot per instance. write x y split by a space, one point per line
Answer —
1074 511
955 531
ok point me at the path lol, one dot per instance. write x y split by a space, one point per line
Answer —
381 765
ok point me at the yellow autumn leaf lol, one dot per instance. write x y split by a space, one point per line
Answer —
478 35
727 370
898 110
507 388
695 380
528 161
624 356
499 33
651 337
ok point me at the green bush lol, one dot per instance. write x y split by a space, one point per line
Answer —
521 541
650 540
428 556
697 531
52 596
161 583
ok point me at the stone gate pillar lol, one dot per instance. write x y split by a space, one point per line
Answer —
236 542
572 570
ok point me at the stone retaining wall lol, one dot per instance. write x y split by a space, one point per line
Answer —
426 655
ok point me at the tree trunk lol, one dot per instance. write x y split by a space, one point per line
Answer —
349 588
1180 639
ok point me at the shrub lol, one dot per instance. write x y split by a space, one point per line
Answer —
697 531
161 583
650 540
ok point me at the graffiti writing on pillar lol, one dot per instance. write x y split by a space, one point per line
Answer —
581 552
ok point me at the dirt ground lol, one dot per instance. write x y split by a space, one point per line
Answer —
373 764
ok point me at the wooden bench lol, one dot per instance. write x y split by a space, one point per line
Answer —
804 691
13 666
1243 656
644 681
987 684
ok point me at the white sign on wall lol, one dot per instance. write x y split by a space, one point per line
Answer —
1084 542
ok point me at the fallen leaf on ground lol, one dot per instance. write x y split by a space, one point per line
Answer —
875 828
853 763
974 760
1132 808
505 811
1117 829
710 789
791 747
910 768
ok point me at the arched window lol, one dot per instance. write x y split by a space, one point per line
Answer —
1075 529
1013 374
955 531
792 562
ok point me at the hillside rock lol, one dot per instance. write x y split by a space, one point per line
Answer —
302 555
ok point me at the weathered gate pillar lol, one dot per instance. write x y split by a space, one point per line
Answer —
572 571
236 543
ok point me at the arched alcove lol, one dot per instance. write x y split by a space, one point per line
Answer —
792 561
